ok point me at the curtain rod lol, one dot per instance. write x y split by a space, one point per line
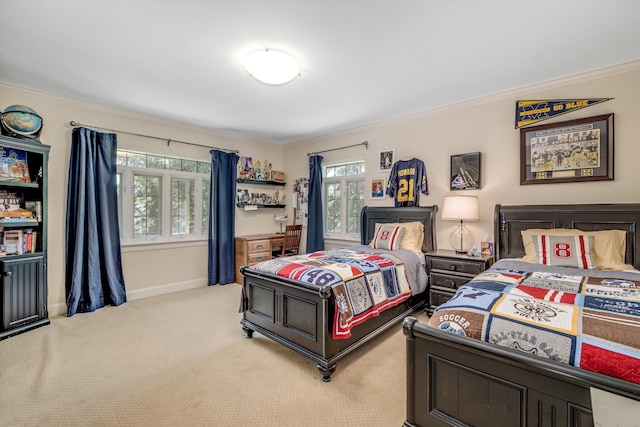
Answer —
365 143
169 141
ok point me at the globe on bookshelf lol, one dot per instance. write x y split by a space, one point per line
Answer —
21 121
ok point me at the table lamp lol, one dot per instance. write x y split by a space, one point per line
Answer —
281 218
461 208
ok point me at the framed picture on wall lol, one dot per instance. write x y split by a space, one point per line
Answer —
385 160
465 171
377 187
572 151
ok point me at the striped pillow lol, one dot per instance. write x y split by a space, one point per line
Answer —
387 237
565 251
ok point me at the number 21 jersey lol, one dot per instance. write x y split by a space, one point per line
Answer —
408 178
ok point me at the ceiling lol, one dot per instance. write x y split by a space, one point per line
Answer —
363 61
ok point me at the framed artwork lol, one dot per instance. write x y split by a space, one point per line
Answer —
572 151
465 171
377 187
385 160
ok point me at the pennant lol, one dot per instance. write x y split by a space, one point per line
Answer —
533 111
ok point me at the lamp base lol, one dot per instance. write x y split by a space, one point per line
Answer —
461 239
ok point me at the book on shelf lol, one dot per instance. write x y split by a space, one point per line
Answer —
13 165
35 207
13 242
10 220
9 202
29 241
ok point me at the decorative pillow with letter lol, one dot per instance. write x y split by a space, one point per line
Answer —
413 236
387 237
565 251
609 246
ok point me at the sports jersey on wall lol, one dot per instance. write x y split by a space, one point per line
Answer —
407 180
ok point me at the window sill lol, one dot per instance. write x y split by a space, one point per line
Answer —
157 245
339 240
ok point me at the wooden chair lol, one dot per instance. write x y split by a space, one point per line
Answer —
291 243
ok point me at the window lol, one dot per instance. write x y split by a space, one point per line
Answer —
344 199
162 198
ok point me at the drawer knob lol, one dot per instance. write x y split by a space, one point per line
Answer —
452 267
259 246
453 283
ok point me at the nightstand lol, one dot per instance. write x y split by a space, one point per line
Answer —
448 270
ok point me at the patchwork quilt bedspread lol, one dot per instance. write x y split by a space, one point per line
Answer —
585 318
364 282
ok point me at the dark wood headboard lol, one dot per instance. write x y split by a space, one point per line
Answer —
370 216
509 221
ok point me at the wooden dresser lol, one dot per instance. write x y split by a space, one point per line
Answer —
255 248
448 270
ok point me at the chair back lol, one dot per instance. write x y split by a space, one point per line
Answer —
292 236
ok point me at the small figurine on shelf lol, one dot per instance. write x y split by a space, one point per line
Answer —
256 170
473 252
267 170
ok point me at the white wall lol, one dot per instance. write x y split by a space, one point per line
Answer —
148 270
487 125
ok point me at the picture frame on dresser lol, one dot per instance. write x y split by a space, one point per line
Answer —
571 151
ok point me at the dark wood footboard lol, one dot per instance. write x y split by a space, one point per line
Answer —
454 380
301 318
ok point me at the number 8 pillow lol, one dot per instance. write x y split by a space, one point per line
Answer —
387 237
565 251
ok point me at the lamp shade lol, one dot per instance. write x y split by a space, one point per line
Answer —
461 208
272 67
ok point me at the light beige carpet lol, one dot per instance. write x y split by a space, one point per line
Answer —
182 360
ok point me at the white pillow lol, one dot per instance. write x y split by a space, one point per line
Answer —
609 246
564 251
413 236
387 237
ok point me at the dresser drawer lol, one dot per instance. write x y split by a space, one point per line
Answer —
255 257
457 266
437 297
277 242
450 281
255 246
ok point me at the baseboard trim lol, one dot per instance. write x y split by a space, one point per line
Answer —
60 309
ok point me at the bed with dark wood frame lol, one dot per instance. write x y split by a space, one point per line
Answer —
300 316
455 380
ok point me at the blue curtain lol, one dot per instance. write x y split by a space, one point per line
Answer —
93 262
222 217
315 233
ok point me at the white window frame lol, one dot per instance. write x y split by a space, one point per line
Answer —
126 225
344 201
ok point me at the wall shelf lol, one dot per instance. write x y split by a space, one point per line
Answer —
260 182
242 205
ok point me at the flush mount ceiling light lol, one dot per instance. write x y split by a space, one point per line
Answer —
272 67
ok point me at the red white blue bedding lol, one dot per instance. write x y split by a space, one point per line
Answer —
364 281
585 318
